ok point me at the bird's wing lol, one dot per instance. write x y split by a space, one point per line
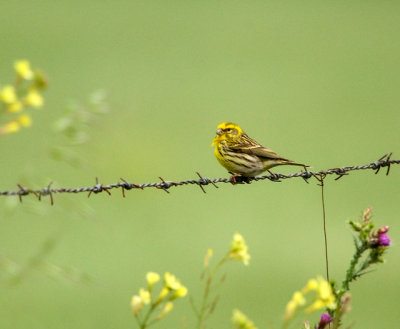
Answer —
263 152
252 147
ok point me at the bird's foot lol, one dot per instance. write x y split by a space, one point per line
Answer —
239 179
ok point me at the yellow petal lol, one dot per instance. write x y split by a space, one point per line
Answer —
34 98
9 128
152 278
8 95
145 296
15 107
167 308
23 69
24 120
136 304
171 282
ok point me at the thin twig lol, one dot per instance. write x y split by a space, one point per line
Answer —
321 179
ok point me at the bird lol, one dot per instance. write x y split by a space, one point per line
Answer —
243 156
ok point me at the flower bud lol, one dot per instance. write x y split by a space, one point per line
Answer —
136 305
325 319
383 229
384 240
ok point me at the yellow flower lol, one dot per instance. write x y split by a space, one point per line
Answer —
23 69
9 128
164 292
324 297
8 95
290 308
207 257
312 284
167 308
171 282
145 296
34 98
180 292
299 298
152 278
296 301
317 305
240 320
136 304
24 120
15 107
239 249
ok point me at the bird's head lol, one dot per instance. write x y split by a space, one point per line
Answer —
227 131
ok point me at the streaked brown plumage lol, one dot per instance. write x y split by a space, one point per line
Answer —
242 155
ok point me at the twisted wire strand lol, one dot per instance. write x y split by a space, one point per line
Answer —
164 185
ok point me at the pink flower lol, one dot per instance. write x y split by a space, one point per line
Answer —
325 319
384 240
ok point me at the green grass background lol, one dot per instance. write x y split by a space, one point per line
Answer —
316 81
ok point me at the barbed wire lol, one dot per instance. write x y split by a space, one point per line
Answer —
165 185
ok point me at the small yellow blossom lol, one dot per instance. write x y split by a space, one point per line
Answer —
164 292
241 321
239 249
207 257
317 305
311 285
136 304
24 120
15 107
180 292
23 69
145 296
324 297
171 281
299 298
290 309
296 301
34 98
167 308
152 278
8 94
9 128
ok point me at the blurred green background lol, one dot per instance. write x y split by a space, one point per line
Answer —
316 81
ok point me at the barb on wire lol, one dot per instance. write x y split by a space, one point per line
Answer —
164 185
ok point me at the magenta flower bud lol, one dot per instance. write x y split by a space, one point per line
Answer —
384 240
325 319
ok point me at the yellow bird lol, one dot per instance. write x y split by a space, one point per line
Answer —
242 155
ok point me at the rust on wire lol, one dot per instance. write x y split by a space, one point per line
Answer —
164 185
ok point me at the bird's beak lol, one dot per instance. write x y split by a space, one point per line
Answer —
218 138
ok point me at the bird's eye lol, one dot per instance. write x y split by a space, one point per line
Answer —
229 130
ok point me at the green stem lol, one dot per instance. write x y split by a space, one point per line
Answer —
350 272
143 325
204 306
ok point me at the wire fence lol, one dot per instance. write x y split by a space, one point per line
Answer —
165 185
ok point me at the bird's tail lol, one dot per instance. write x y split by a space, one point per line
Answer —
292 163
